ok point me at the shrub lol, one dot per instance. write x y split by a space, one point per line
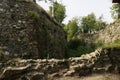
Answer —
99 44
77 47
74 43
73 53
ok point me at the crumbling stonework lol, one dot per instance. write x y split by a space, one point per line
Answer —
110 33
100 61
26 30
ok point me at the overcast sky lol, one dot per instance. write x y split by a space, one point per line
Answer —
84 7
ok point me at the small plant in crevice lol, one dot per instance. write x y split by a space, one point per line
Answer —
1 53
99 43
3 58
34 14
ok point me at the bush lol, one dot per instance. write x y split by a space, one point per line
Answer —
99 44
77 47
73 53
75 43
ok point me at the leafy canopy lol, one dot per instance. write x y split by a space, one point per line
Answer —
59 11
72 28
115 11
90 23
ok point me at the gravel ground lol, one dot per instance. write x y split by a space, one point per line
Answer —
94 77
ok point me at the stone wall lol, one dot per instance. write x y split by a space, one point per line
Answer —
107 35
27 30
110 33
101 61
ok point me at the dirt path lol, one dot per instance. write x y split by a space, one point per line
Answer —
94 77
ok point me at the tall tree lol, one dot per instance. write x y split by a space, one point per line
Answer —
87 23
115 11
59 11
72 28
90 23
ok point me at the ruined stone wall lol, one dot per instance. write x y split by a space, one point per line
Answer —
27 30
107 35
101 61
110 33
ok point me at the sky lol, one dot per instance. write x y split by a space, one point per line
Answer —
79 8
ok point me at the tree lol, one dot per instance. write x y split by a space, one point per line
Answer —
56 10
87 23
72 28
90 23
100 24
59 11
115 11
44 0
34 1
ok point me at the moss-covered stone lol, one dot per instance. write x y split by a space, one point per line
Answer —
28 31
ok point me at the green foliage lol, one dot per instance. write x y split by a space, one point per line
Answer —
87 23
59 11
99 43
84 49
34 15
73 53
113 45
75 43
72 28
99 23
116 44
1 53
77 47
2 57
90 23
117 41
115 11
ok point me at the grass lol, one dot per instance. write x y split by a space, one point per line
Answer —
114 45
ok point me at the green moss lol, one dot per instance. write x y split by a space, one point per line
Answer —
117 41
2 57
114 45
34 15
1 53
